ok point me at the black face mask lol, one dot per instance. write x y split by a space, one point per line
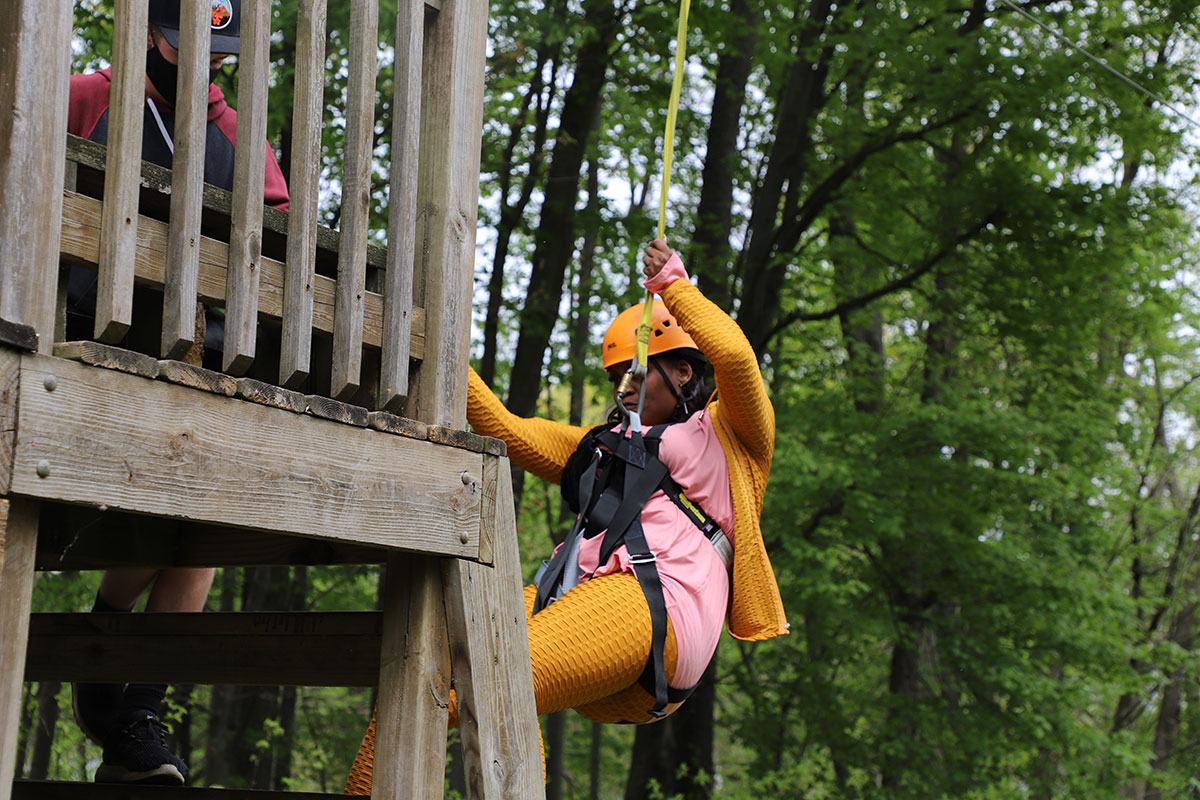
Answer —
164 75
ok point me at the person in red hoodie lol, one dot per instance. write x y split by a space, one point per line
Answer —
123 719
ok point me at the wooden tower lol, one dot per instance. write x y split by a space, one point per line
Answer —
124 454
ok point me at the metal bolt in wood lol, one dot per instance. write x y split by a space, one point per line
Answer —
50 382
43 469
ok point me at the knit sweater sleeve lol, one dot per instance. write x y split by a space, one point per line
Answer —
540 446
744 402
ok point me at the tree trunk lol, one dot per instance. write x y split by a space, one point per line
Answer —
217 766
556 228
25 728
43 740
676 754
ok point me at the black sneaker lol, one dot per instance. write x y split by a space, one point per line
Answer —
135 751
96 706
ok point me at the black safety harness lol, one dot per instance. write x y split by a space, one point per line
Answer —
623 474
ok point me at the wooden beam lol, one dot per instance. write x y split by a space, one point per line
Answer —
249 166
80 244
187 182
10 375
107 438
451 118
402 205
414 684
489 647
81 538
35 58
309 94
53 790
250 649
356 198
18 543
118 225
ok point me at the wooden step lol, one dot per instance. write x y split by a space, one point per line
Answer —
251 649
55 790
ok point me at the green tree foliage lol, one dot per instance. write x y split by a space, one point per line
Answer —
963 253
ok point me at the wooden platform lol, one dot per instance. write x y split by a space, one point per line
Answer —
53 790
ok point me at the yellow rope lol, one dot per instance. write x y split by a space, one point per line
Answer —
641 356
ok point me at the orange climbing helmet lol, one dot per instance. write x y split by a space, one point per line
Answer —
620 340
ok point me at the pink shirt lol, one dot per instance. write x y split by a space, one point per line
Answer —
695 582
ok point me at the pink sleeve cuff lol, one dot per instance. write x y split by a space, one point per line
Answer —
672 272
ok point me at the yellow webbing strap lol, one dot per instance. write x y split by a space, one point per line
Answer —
641 356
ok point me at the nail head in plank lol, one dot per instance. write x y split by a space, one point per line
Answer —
268 394
401 426
336 410
98 354
151 447
197 377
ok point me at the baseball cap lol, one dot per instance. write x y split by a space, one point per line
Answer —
226 23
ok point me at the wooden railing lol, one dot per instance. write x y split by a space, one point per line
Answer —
433 166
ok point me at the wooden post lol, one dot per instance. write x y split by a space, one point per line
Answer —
118 226
489 645
402 200
451 118
249 168
356 199
414 683
35 58
187 182
309 94
18 545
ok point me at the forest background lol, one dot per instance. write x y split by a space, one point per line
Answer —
965 256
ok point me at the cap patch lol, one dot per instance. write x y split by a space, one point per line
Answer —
222 14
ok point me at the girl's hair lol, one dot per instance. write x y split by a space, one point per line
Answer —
692 397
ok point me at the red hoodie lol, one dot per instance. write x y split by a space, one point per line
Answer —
88 117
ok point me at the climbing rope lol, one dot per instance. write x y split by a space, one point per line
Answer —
637 369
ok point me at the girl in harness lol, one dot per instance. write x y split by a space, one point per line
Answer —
626 615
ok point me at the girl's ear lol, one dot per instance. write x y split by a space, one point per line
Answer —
683 369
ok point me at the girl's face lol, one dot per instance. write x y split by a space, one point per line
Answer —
659 404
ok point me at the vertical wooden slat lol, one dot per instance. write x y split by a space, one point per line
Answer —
18 546
35 58
356 199
122 171
187 182
414 683
309 93
402 200
249 167
489 648
448 196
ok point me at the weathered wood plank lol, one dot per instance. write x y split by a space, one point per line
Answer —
18 544
51 790
10 373
187 182
98 354
118 226
402 205
489 488
414 683
309 94
35 61
337 411
16 334
456 438
401 426
254 649
270 395
249 166
489 648
448 199
356 198
200 378
154 448
90 156
80 243
80 538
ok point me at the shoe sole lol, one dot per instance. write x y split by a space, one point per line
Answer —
165 775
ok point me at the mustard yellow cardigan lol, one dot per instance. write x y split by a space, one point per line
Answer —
745 425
